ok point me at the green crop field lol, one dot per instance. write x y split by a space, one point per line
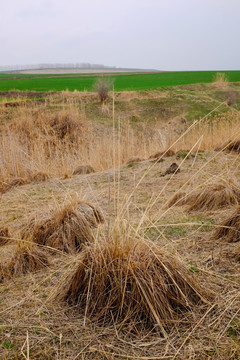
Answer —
121 82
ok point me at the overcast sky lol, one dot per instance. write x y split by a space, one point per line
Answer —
153 34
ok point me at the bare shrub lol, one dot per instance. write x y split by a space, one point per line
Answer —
102 87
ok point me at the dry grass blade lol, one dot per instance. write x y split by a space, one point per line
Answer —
66 228
130 282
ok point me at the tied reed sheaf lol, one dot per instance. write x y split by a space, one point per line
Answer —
212 197
65 228
131 283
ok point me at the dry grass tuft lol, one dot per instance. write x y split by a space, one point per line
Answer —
229 229
134 160
212 197
4 236
229 146
221 81
178 199
161 154
83 169
40 177
21 258
130 283
66 228
27 259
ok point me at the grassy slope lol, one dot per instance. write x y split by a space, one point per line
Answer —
121 82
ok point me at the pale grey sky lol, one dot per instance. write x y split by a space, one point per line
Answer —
156 34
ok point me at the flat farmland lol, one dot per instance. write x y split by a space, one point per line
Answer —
122 82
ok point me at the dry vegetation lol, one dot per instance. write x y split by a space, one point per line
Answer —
156 280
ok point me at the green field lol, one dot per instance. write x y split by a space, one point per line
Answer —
121 82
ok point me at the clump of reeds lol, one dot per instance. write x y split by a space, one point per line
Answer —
4 236
229 229
83 169
177 199
161 154
27 259
130 282
230 146
221 80
21 258
66 228
211 197
134 160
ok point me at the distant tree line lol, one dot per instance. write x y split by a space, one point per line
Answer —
54 66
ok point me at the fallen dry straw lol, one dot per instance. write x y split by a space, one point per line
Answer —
229 229
130 282
66 228
212 197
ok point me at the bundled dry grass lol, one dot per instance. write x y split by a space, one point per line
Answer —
212 197
21 258
161 154
27 259
83 169
229 229
4 236
66 228
130 283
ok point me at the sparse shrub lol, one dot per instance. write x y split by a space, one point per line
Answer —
102 87
220 80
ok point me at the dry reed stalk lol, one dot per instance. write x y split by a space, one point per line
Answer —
229 229
131 282
66 228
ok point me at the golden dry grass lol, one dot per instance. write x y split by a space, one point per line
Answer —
229 229
4 236
131 283
212 197
136 284
65 228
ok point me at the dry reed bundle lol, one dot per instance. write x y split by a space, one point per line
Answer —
212 197
27 259
229 229
160 154
83 169
130 282
177 200
4 236
65 229
21 259
229 146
